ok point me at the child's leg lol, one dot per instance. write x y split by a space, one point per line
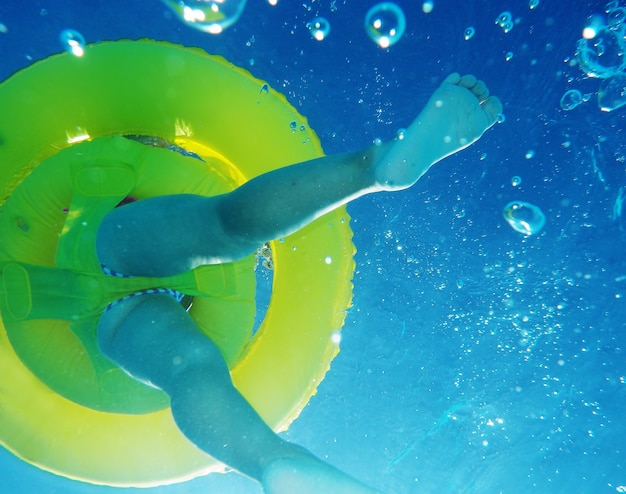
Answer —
281 202
171 234
154 339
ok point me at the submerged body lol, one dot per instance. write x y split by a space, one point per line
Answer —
154 339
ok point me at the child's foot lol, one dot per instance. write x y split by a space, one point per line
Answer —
456 115
309 476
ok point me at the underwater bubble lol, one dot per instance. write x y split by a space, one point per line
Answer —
612 93
533 4
616 18
401 134
509 55
507 27
3 28
516 181
529 154
524 217
72 42
427 7
208 16
571 99
319 28
505 21
469 33
504 17
601 56
293 125
612 5
385 24
595 23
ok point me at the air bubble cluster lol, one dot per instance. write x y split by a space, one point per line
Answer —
600 54
505 21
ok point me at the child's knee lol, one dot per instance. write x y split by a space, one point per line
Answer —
106 333
154 340
111 321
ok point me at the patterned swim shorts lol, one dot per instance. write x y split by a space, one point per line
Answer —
175 294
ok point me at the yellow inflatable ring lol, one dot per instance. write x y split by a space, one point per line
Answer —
241 129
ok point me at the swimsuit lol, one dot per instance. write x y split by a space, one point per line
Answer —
175 294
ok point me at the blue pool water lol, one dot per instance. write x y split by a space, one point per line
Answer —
476 359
